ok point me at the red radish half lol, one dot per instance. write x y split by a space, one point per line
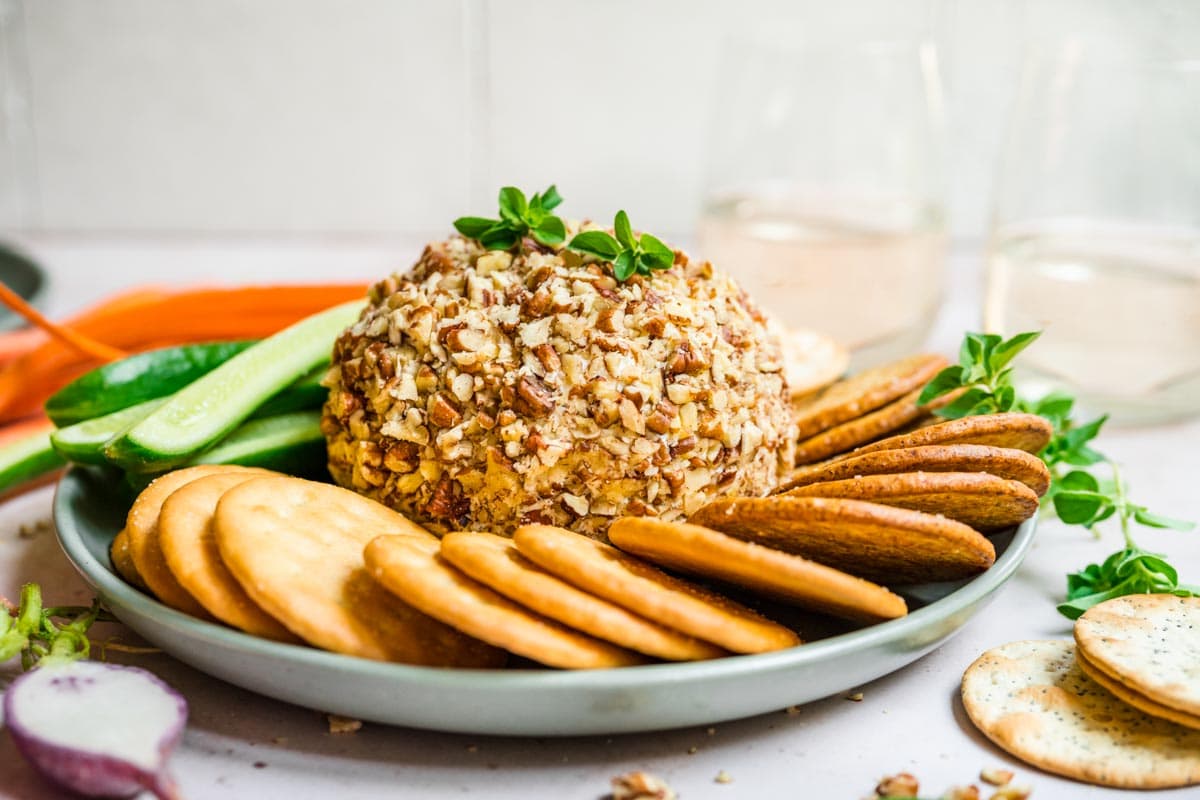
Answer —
101 730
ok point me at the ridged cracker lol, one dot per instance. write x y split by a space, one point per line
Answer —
880 543
415 572
630 582
186 537
122 560
1138 701
1150 643
141 526
1027 432
865 392
296 547
1003 462
982 501
860 430
1032 700
711 554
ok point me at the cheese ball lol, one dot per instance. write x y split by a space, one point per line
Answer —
483 390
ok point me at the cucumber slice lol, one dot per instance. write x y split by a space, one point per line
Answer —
208 408
84 442
306 393
291 443
141 377
26 459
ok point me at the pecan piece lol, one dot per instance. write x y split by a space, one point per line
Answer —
548 357
447 502
443 411
533 398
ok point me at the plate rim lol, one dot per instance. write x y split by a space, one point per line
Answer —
106 582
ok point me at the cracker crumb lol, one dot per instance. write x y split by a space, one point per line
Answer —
968 792
902 784
723 777
340 724
855 698
792 711
693 750
31 531
1011 792
640 785
996 776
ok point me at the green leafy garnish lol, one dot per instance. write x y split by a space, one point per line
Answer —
31 630
518 218
983 377
629 254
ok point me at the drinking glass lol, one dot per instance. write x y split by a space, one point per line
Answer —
1096 227
823 193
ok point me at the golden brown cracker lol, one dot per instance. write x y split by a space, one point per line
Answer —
1149 643
142 527
1032 699
710 554
122 560
1138 701
881 543
495 562
982 501
296 547
417 573
1003 462
630 582
186 537
1027 432
859 430
865 392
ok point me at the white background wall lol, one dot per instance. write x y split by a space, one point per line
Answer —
394 116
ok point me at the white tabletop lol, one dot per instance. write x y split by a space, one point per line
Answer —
241 745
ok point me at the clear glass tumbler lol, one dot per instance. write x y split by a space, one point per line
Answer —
1096 227
823 188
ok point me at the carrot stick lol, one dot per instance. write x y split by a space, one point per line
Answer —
63 334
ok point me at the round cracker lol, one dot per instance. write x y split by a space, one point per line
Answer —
881 543
840 438
1027 432
792 579
1149 643
495 562
1032 700
296 547
122 560
811 360
865 392
982 501
416 572
186 537
142 526
1003 462
630 582
1138 701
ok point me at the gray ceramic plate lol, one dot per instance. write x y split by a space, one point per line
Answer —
90 507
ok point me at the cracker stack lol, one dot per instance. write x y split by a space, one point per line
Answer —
1119 706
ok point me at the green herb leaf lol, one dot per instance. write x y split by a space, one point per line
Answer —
1003 352
624 265
473 227
1144 517
550 231
623 230
499 239
944 382
550 199
518 218
595 243
513 206
661 256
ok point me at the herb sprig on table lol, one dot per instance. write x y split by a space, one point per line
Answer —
983 379
518 217
629 254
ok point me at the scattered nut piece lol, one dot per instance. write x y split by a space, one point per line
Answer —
693 750
996 776
723 777
640 786
792 711
969 792
902 784
1011 792
340 724
855 698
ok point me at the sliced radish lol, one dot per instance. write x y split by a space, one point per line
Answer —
101 730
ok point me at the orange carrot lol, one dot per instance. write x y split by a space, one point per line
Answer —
149 319
68 336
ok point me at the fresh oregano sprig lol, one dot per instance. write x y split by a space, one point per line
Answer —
983 377
628 253
518 217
